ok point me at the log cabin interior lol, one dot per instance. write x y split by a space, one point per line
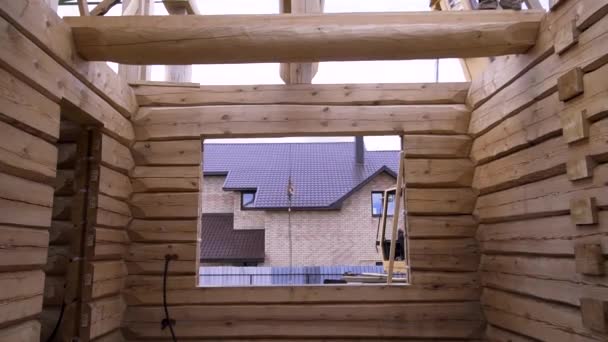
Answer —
100 171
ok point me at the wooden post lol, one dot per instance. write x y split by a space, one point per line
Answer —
398 191
178 73
300 73
134 73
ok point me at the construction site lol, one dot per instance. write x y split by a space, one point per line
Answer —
123 220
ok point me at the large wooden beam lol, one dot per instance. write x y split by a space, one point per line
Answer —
178 73
304 38
300 73
293 120
304 94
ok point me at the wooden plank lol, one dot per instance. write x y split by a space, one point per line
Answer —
150 252
538 319
436 146
116 155
165 184
441 226
554 235
23 190
178 152
544 198
26 156
166 172
22 247
304 94
156 267
28 332
458 320
21 213
291 120
164 205
21 295
440 201
296 38
541 161
113 205
23 106
503 71
35 67
163 230
541 80
110 219
146 290
541 120
589 12
47 30
114 184
566 37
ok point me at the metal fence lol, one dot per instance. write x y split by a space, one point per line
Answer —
266 276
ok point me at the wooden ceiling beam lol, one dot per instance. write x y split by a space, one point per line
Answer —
304 38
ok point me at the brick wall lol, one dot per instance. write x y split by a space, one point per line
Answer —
322 237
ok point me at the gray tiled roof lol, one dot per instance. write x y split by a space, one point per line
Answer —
323 174
223 243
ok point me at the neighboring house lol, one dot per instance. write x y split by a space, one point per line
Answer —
331 218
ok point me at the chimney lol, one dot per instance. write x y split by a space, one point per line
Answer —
359 151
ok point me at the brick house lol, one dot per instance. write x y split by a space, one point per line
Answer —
335 206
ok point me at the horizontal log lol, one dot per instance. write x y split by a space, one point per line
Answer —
25 155
440 201
541 81
32 111
28 331
181 290
436 146
551 322
42 72
544 198
20 213
111 219
166 172
496 334
110 244
290 120
22 247
303 38
26 191
165 205
178 152
567 292
540 267
105 315
62 232
113 205
441 226
54 36
21 295
163 230
437 173
64 183
344 320
108 277
58 260
304 94
444 254
116 155
163 184
544 236
114 184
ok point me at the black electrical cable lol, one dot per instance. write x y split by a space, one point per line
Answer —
167 321
58 324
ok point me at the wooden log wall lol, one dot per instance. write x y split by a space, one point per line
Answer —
42 81
540 148
441 304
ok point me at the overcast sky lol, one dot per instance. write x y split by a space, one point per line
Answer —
412 71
